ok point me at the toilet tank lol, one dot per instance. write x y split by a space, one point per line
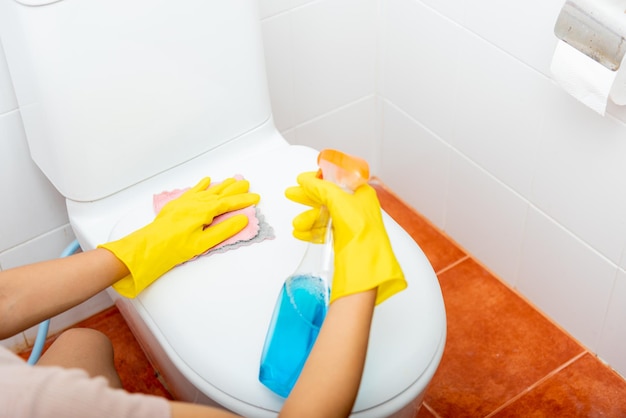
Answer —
112 92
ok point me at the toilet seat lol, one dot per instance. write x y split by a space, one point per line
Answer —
212 327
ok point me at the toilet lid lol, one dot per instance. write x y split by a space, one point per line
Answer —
211 315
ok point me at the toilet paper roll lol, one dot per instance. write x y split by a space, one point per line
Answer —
586 79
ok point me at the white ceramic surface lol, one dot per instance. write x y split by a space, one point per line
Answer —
575 293
30 204
613 339
485 217
415 164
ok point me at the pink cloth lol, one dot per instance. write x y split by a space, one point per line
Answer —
51 392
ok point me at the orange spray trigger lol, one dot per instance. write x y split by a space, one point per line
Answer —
347 171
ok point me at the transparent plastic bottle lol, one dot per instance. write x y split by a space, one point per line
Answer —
297 319
303 300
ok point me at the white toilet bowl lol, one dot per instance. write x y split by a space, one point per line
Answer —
105 124
204 323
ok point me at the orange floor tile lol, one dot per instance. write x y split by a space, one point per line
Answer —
502 357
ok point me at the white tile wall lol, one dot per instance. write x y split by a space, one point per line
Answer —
613 342
271 7
353 128
451 9
7 95
419 70
499 110
581 173
334 55
415 163
45 247
565 278
30 206
523 29
619 112
485 217
279 66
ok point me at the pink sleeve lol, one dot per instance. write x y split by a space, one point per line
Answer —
42 392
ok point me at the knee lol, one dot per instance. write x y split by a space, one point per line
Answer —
87 340
86 349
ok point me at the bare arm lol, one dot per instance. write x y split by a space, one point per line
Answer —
331 376
36 292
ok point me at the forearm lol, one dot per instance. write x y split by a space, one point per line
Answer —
330 380
33 293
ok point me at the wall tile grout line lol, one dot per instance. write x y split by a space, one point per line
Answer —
452 265
431 410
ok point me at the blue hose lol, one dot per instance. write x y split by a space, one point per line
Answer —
42 331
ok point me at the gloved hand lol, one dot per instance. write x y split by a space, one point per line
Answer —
180 232
364 258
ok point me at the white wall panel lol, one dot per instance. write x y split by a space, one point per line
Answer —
565 278
353 128
523 29
420 69
451 9
30 206
278 48
414 164
46 246
485 217
271 7
581 175
613 339
499 112
334 55
7 95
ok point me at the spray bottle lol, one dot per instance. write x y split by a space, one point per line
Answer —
303 300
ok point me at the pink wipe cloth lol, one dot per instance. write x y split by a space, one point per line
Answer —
245 235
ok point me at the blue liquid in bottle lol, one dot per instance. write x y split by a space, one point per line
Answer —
296 321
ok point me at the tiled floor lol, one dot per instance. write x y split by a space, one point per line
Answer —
502 357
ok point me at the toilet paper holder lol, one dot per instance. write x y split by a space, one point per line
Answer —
597 28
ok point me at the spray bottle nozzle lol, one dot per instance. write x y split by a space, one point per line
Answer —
347 171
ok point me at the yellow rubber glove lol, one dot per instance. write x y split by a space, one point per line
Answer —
180 232
364 258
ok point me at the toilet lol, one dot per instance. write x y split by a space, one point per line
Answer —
123 100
